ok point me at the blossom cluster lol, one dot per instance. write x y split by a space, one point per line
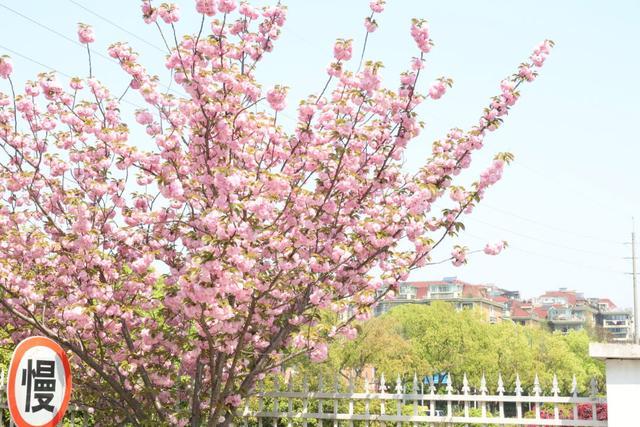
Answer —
195 265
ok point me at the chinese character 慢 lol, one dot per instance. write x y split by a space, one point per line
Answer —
41 381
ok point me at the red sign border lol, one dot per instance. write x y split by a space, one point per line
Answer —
18 353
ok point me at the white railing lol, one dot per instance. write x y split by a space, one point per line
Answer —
382 404
76 415
417 407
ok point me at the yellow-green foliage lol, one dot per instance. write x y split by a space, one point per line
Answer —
426 339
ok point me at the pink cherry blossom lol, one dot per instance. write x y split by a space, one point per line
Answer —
227 6
377 6
276 98
370 24
6 66
206 7
149 13
85 33
342 50
169 12
494 249
420 34
437 90
459 256
319 352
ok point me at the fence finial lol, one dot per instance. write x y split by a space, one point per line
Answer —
483 385
398 385
351 383
432 388
366 385
449 384
465 385
574 386
414 388
518 389
305 383
500 390
383 384
536 386
554 386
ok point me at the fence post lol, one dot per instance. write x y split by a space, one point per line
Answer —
483 392
336 389
574 393
320 405
290 400
449 393
276 400
260 401
305 402
555 390
500 390
383 390
432 402
367 390
414 391
536 393
465 392
518 391
399 400
351 388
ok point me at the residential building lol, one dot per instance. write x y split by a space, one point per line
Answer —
562 310
461 294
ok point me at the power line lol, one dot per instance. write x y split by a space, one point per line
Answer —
69 39
121 28
601 254
55 69
564 261
578 192
551 227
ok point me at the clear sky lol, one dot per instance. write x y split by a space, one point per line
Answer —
564 206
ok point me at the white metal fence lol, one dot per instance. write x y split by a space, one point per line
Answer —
409 403
75 416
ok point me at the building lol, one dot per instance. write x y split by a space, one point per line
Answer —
523 313
569 310
461 294
614 324
563 310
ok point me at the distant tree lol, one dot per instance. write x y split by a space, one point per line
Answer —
442 339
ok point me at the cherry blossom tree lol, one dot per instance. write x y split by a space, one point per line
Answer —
178 274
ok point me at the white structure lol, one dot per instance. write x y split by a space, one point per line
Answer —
407 403
622 362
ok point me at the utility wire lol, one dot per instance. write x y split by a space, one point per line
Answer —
69 39
546 242
537 254
288 117
54 69
551 227
577 191
121 28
